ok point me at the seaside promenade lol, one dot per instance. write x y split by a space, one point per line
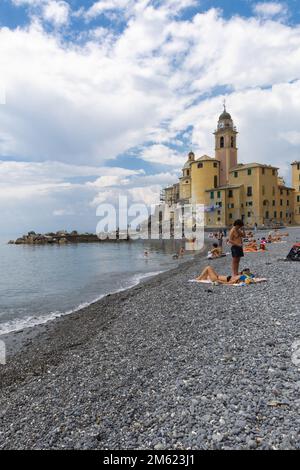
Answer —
168 364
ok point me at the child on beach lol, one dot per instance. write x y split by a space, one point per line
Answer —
236 236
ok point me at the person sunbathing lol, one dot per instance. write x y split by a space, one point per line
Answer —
251 246
209 274
274 239
215 252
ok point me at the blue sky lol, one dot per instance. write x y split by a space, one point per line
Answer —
101 98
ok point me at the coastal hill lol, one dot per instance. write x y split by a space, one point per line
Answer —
63 237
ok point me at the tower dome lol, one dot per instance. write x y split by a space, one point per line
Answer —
225 115
225 119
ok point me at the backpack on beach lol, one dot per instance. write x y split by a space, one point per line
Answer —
294 254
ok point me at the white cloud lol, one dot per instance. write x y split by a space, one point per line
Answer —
89 103
163 155
56 12
292 137
104 6
270 9
71 107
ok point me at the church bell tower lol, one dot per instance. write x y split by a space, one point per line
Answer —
225 145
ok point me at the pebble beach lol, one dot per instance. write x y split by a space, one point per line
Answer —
168 364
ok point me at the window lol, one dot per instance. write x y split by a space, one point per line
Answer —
265 203
281 192
298 166
275 214
287 202
267 214
219 218
249 191
263 171
249 214
220 204
215 181
230 216
273 191
218 194
187 181
230 193
236 174
273 172
273 203
287 193
232 142
215 165
281 202
200 165
219 212
281 214
212 195
298 198
222 142
249 172
187 172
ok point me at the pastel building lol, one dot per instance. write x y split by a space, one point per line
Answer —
253 192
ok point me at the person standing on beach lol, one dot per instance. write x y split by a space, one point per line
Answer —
236 236
220 239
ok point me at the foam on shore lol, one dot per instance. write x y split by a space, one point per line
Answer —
19 324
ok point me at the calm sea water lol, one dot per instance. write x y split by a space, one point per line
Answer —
38 283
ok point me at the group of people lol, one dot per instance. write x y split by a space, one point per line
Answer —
235 240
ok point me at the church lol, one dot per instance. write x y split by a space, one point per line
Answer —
253 192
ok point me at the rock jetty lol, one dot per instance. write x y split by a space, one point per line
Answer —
62 237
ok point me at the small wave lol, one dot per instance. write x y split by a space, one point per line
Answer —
28 322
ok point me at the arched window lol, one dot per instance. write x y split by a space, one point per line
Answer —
222 142
215 181
232 142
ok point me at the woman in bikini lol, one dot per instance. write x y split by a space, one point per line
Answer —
209 274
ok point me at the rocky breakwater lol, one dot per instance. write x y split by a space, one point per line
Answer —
61 237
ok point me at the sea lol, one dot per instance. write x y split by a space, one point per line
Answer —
40 283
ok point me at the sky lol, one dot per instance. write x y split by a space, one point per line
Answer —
106 98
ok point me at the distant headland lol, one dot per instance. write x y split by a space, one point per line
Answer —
63 237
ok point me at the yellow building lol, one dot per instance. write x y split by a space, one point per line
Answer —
296 186
253 192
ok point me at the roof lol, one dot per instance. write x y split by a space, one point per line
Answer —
224 116
296 162
205 158
245 166
283 186
229 186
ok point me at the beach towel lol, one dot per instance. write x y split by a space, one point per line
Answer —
256 280
257 251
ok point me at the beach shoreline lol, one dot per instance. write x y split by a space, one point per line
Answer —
17 340
167 364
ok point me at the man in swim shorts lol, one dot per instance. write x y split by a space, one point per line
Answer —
236 236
